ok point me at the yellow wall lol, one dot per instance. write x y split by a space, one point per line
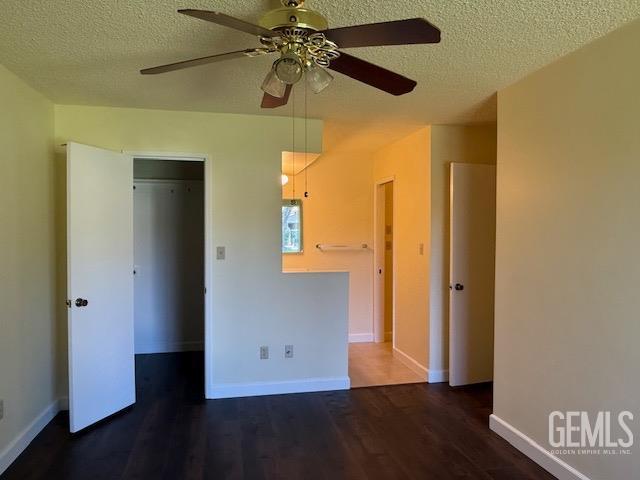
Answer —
27 257
254 303
407 160
568 230
449 143
339 210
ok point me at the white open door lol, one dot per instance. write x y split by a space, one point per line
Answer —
472 267
99 283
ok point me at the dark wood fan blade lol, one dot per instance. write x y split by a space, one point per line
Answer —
373 75
401 32
231 22
269 101
251 52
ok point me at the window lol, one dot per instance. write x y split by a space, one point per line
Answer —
292 226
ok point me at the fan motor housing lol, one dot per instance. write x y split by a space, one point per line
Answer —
294 17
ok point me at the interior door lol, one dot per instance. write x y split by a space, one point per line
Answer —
99 283
472 267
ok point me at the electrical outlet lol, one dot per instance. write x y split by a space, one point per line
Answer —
221 253
288 351
1 409
264 353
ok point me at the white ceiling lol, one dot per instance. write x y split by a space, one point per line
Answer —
89 52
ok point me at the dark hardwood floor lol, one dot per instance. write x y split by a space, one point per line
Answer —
414 431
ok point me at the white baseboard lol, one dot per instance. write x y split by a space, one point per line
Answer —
533 450
237 390
438 376
26 436
169 347
411 363
361 338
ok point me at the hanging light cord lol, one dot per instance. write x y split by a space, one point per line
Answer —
306 150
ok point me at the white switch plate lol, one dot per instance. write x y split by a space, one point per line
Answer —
264 352
221 253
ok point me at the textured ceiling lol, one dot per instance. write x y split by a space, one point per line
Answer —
89 52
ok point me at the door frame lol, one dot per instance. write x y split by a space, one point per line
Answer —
378 284
208 247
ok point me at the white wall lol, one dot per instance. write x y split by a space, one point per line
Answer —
27 263
449 143
168 228
568 230
254 303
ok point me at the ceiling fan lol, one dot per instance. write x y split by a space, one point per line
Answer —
307 47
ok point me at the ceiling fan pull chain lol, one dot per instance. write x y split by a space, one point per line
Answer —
306 146
293 141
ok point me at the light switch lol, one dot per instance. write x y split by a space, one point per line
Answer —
220 253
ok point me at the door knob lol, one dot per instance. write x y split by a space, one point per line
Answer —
459 287
81 302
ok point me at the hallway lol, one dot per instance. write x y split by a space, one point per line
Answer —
374 364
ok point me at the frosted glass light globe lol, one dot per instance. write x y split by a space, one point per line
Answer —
289 69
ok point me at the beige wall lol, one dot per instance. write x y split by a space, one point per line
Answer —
254 303
449 143
339 210
407 160
568 230
27 257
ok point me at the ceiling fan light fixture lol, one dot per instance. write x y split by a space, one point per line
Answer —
289 68
273 85
304 41
318 78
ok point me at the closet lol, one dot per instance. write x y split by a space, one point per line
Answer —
168 255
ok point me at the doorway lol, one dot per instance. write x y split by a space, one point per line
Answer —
374 363
168 232
384 266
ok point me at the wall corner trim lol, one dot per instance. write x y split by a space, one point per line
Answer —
26 436
533 450
411 363
437 376
361 338
257 389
